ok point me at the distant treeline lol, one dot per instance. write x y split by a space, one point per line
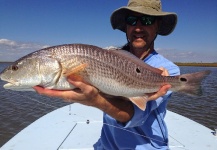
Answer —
5 61
197 64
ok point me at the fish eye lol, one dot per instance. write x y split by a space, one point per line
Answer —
14 68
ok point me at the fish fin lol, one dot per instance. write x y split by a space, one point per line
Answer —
140 101
75 71
191 83
76 77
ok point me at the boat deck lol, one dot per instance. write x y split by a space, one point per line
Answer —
78 127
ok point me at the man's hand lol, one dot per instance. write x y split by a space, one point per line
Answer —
163 90
84 93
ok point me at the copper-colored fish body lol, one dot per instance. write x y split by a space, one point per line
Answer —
114 72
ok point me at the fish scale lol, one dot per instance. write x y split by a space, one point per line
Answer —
96 58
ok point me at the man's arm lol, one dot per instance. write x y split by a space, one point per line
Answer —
119 108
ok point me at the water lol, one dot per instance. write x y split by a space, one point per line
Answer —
201 109
19 109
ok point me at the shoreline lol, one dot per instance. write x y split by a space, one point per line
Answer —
197 64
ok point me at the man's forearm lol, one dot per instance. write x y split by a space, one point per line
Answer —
117 107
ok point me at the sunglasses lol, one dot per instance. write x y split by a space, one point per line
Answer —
145 20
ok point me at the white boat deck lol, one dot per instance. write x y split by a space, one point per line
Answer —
78 127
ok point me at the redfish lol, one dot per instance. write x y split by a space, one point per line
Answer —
114 72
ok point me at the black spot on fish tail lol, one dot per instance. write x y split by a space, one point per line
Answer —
183 80
138 70
191 83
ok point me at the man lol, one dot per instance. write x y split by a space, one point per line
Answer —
125 125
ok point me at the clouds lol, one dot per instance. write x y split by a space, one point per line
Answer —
12 50
7 42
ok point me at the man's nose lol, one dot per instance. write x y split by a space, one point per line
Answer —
139 26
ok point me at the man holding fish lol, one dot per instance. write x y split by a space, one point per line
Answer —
142 21
125 84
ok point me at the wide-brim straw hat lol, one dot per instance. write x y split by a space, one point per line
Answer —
146 7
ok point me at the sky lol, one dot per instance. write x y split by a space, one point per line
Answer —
30 25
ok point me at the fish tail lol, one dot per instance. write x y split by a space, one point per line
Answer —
191 83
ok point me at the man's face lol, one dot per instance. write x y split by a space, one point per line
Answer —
141 36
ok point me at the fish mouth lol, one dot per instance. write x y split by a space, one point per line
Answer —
15 86
10 84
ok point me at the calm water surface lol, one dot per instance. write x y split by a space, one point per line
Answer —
19 109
